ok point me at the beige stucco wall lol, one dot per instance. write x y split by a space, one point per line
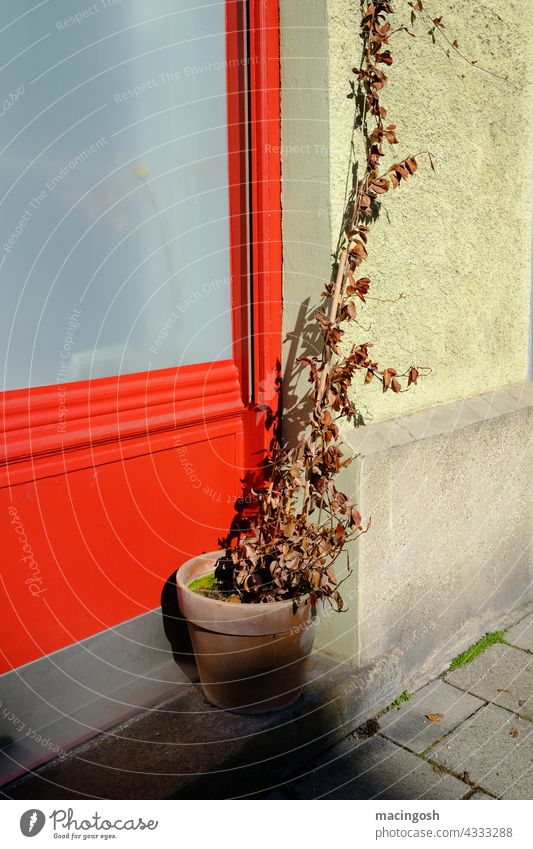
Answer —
455 242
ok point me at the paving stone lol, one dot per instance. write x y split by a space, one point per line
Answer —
479 795
502 675
408 725
374 769
521 634
485 748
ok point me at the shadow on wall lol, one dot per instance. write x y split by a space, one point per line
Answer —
304 340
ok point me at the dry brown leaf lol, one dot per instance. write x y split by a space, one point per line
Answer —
379 186
359 249
339 531
521 702
413 375
503 690
434 717
513 732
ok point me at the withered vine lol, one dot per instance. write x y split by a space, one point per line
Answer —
286 547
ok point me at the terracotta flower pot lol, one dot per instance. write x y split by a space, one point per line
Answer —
251 658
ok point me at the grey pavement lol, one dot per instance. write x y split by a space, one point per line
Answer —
465 735
521 634
496 748
409 727
502 675
374 769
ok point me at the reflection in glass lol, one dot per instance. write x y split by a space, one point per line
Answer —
113 188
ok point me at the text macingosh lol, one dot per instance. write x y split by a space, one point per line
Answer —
411 816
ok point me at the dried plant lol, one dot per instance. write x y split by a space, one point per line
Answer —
285 545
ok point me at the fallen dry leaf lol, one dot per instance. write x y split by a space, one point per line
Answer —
521 702
503 690
466 776
434 717
513 732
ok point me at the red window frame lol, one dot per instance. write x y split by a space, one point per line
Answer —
111 418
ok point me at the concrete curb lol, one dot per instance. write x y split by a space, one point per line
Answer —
185 749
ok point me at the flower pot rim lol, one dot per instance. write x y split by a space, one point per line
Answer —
215 615
209 568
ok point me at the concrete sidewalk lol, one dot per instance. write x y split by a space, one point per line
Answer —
465 735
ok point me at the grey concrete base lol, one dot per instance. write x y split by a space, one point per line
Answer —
448 555
62 699
185 748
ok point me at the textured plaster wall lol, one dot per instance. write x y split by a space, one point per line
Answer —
455 242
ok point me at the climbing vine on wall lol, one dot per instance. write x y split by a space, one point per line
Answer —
287 545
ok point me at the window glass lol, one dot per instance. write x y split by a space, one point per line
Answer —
113 188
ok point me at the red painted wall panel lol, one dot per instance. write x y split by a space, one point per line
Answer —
101 542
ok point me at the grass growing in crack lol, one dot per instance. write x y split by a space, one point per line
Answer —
406 696
477 648
371 726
